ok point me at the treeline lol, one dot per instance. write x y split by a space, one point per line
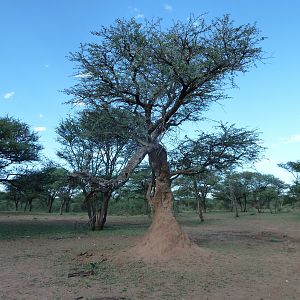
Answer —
203 172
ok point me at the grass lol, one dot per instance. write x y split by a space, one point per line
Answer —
25 230
38 225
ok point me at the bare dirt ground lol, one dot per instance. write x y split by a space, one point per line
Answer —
252 257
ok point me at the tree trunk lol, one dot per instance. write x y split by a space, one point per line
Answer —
234 202
30 205
50 204
102 213
164 237
26 204
67 205
200 209
199 200
245 203
16 203
91 209
61 209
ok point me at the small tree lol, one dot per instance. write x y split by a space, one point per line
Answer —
54 183
163 78
89 146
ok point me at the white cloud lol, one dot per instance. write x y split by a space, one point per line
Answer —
79 103
293 139
269 166
8 95
39 129
140 16
83 75
168 7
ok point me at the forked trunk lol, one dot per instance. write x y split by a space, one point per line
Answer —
102 213
164 237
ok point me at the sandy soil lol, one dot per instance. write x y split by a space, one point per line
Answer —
253 257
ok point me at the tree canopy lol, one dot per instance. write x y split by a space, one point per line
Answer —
18 145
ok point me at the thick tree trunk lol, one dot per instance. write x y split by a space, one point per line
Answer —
91 208
164 237
102 213
50 205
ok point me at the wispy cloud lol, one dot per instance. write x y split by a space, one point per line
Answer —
270 166
139 16
79 103
137 12
168 7
293 139
39 129
83 75
8 95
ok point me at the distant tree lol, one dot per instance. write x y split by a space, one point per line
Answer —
294 169
89 146
54 183
261 191
136 188
163 77
204 157
25 187
18 145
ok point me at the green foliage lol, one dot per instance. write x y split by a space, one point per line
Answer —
163 77
18 144
127 206
251 190
160 78
221 150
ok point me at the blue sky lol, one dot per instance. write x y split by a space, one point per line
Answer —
37 35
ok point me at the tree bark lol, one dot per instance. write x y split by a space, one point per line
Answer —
164 236
102 213
199 201
50 204
234 202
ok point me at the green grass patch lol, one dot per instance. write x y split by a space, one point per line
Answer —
28 230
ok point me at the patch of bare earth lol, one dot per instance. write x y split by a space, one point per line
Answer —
247 258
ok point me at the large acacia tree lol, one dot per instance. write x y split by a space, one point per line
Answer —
163 77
